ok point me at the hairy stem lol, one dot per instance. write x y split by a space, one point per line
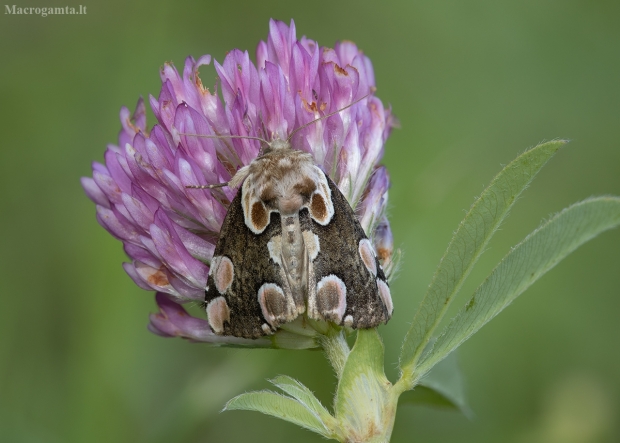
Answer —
336 349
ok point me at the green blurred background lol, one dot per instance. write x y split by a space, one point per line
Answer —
474 83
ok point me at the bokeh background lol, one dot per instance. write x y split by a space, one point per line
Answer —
473 83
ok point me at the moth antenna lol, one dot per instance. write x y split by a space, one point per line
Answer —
218 185
263 130
329 115
248 137
232 181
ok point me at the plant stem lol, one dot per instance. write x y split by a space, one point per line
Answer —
336 349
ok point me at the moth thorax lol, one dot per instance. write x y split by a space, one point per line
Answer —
278 143
294 257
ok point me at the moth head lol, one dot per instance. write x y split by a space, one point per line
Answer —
277 144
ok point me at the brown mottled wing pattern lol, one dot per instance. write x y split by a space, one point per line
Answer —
252 267
339 255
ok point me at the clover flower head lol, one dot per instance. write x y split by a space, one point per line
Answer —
168 231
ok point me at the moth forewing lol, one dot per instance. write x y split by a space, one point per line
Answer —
347 269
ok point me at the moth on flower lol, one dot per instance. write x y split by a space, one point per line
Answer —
292 240
290 243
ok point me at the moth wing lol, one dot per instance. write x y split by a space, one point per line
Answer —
348 285
246 295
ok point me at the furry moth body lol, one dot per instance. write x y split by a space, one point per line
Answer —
290 243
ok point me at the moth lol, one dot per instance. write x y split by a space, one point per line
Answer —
291 244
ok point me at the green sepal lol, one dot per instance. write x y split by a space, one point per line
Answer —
365 404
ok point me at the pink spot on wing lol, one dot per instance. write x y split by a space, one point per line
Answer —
384 293
367 254
218 313
331 298
223 273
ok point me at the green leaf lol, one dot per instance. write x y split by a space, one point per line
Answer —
522 266
467 245
425 396
441 387
304 396
279 406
